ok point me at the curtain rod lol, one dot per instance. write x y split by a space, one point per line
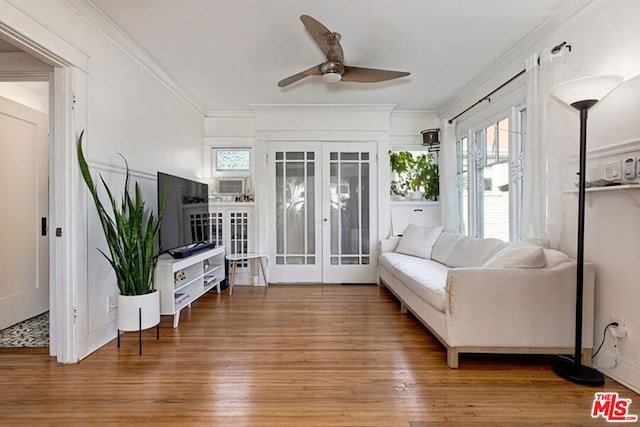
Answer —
487 97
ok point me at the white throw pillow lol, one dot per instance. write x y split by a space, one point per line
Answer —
554 257
517 257
473 252
444 246
418 241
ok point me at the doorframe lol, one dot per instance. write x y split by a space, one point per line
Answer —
68 336
264 137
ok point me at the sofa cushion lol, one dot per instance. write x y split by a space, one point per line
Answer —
517 257
553 257
418 241
472 252
426 278
443 247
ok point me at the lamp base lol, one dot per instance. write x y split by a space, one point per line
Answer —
578 374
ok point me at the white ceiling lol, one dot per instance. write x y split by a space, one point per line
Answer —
228 54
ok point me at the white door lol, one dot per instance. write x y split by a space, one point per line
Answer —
323 200
24 252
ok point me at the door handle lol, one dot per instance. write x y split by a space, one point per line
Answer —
43 226
325 220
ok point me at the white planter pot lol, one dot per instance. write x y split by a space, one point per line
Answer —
416 195
130 308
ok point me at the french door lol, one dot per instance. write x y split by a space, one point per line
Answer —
322 212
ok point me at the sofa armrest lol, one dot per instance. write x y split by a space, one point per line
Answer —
389 244
508 307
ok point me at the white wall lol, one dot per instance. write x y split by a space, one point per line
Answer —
129 111
604 37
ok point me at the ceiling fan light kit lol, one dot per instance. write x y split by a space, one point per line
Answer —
332 77
334 70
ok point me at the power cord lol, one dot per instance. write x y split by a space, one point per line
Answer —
604 336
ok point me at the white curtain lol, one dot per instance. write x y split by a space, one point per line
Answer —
544 160
448 178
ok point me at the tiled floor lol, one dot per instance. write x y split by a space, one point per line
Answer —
32 332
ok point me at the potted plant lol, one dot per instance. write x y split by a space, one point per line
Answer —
130 233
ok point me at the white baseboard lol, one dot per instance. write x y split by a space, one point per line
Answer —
625 373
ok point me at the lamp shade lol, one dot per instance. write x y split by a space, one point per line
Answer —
592 88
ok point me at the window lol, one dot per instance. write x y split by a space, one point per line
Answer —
489 177
414 171
462 149
233 159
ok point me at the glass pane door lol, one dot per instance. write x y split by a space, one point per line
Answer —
350 191
296 211
323 207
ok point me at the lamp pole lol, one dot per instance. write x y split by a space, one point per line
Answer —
575 371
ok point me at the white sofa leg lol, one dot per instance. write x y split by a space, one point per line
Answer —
452 357
586 357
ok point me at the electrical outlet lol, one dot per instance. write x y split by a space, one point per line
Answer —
619 332
619 321
612 171
112 303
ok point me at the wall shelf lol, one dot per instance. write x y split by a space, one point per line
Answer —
630 190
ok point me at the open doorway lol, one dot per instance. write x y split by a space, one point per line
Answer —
24 191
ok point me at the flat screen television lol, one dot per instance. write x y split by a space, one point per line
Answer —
185 224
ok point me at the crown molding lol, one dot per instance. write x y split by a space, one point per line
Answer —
512 61
108 28
238 114
402 114
290 108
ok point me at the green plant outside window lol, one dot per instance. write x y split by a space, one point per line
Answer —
417 172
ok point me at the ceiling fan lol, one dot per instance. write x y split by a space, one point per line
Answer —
333 69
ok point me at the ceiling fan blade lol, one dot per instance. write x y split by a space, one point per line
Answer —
313 71
370 75
327 41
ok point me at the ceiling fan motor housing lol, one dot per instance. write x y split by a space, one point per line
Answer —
332 71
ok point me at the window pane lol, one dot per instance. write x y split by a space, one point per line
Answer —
364 200
311 217
350 206
464 202
295 200
349 156
503 140
491 147
233 160
280 207
295 155
465 154
495 201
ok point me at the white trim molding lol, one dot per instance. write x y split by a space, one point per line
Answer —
30 35
107 27
229 141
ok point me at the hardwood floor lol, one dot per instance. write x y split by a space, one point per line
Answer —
291 356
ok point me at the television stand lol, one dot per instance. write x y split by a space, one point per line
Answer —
188 250
182 281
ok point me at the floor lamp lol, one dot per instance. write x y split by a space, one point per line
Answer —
582 94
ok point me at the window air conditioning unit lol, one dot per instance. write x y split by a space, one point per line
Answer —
230 186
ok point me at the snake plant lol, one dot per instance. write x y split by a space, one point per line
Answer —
130 232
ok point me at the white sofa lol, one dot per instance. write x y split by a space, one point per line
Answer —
487 296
